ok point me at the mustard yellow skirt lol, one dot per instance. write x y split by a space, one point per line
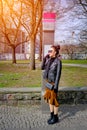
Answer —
51 97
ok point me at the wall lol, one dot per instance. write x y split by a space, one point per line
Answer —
24 96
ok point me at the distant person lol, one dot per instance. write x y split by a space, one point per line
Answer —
52 67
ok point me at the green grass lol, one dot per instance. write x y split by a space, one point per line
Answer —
73 77
75 61
27 61
18 61
19 75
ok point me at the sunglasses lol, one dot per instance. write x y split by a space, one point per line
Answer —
50 51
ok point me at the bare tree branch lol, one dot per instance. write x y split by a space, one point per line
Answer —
84 4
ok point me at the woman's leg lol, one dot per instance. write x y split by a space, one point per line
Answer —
55 118
51 108
55 110
51 112
54 114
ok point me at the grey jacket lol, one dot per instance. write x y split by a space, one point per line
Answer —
54 72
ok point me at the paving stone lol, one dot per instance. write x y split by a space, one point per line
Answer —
31 117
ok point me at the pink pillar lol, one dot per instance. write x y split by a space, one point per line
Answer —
48 30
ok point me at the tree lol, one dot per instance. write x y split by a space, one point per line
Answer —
82 13
69 49
83 40
33 10
11 27
83 4
36 20
40 48
25 15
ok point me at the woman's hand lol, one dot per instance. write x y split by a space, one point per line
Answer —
55 90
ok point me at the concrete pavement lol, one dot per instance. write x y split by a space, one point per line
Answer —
76 65
32 118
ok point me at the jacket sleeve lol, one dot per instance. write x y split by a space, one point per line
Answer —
44 62
58 75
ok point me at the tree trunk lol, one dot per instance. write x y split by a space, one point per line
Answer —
40 48
13 55
32 53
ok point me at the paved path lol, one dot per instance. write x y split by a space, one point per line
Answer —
76 65
72 117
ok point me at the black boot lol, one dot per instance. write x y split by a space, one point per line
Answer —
54 120
51 117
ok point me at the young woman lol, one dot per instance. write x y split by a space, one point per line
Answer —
52 67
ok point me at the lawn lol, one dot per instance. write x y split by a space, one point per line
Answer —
19 75
75 61
64 61
73 77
